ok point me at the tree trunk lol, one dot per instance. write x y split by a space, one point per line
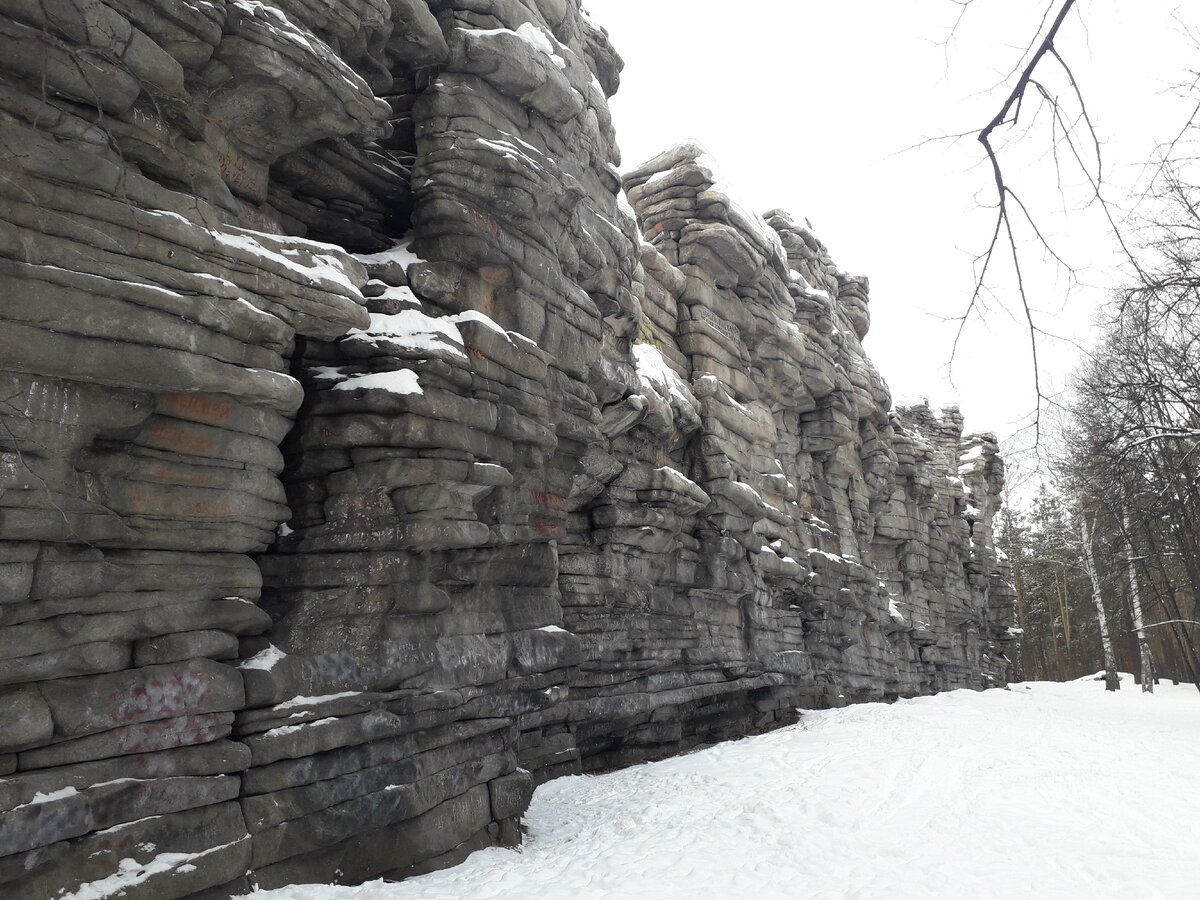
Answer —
1064 603
1135 606
1059 671
1064 616
1187 649
1112 681
1019 587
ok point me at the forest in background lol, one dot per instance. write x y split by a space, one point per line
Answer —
1112 538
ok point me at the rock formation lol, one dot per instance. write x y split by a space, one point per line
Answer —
368 458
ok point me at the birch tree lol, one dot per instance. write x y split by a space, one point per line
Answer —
1135 605
1112 681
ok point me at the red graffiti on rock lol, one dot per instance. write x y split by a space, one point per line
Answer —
160 698
148 737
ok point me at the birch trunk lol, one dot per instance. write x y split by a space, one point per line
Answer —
1135 604
1112 681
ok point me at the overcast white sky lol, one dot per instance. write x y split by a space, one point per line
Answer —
809 105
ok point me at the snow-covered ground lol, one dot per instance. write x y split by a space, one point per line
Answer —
1044 791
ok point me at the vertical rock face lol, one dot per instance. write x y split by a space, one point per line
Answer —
153 301
766 532
366 457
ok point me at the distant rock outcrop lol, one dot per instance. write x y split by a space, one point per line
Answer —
367 459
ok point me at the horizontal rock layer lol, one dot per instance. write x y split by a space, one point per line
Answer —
372 450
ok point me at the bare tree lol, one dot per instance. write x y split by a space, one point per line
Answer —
1003 238
1131 432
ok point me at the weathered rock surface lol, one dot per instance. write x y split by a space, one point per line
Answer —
366 457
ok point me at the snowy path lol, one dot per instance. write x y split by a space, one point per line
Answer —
1045 791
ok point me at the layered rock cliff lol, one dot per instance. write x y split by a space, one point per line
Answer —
372 450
